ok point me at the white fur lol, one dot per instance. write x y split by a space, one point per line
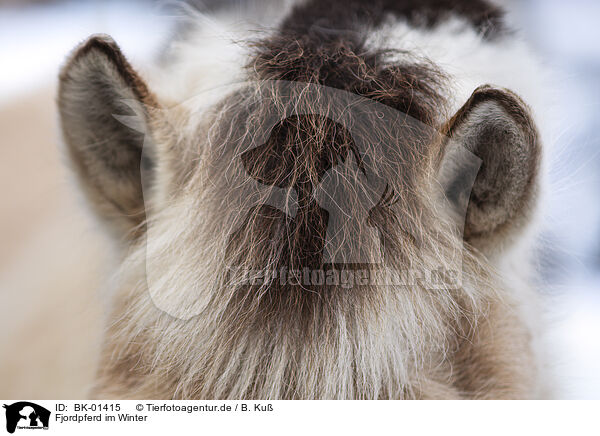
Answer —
471 61
211 58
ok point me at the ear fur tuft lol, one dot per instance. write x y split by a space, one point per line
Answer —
496 126
97 83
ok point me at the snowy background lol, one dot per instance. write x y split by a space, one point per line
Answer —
34 40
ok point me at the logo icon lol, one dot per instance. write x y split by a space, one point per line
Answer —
26 415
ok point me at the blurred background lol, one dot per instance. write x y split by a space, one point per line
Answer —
53 259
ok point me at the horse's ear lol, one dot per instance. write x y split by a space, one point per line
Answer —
97 84
495 125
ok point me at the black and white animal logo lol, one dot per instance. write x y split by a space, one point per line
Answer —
26 415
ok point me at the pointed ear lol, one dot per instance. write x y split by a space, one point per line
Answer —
96 84
495 125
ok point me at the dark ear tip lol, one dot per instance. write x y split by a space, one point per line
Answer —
99 43
101 54
485 87
512 103
490 92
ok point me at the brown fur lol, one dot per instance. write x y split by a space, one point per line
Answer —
235 339
517 164
118 200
